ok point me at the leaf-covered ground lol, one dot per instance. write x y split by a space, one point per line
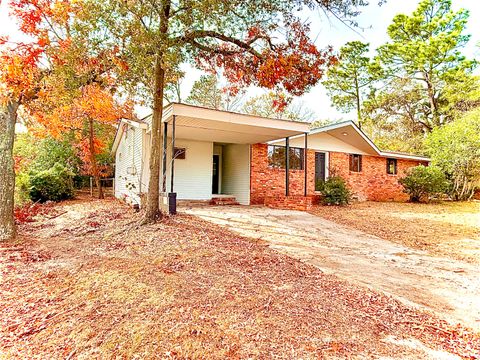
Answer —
450 229
87 282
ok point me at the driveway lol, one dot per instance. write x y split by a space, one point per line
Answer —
450 288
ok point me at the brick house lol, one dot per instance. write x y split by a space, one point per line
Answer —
224 157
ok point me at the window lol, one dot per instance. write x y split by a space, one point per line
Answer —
355 162
276 157
392 166
296 158
179 153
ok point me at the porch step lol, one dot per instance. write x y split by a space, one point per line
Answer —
223 200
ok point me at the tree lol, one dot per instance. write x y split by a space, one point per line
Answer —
394 119
425 48
208 92
261 105
30 71
349 79
455 148
19 78
242 37
89 113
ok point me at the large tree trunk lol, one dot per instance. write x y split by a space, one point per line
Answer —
153 196
8 118
153 208
93 160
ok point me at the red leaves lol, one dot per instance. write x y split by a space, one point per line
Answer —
27 212
293 66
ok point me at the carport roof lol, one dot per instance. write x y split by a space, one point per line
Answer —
203 124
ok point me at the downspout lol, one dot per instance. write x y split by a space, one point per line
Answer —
305 164
172 168
287 166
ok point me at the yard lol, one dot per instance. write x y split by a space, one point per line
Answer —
85 281
450 229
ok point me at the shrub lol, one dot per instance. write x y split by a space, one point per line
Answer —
22 188
54 184
455 148
423 182
335 191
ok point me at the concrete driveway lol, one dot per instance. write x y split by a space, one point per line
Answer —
447 287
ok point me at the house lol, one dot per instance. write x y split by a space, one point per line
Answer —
225 155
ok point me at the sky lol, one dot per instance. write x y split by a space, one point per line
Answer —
373 22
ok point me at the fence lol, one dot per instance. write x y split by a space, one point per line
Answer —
108 186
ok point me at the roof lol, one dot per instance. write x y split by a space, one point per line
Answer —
233 113
348 131
391 154
204 124
404 155
120 129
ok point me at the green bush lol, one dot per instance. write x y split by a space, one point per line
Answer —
54 184
335 191
22 188
455 148
423 182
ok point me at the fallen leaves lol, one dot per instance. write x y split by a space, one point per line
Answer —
184 288
450 229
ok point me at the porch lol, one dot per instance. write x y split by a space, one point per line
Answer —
207 153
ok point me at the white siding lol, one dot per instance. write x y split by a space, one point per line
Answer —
193 176
236 172
129 165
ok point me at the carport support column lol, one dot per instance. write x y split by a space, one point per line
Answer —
305 162
164 157
287 166
172 170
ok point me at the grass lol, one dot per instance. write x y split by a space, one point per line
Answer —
450 229
90 283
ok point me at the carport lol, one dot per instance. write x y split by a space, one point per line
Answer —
225 129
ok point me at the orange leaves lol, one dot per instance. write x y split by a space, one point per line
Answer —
92 102
100 105
19 71
31 14
294 65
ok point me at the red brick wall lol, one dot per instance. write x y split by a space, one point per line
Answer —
292 202
373 183
267 181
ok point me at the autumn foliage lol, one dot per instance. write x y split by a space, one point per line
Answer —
292 66
64 84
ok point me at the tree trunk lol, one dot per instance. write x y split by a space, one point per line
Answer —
432 101
153 195
359 113
8 118
93 160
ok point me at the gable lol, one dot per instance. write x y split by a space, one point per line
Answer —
327 142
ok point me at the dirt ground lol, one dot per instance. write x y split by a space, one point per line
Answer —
450 288
85 281
450 229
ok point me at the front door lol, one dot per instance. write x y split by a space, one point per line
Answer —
216 170
320 172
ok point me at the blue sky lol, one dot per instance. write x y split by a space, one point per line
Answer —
374 20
